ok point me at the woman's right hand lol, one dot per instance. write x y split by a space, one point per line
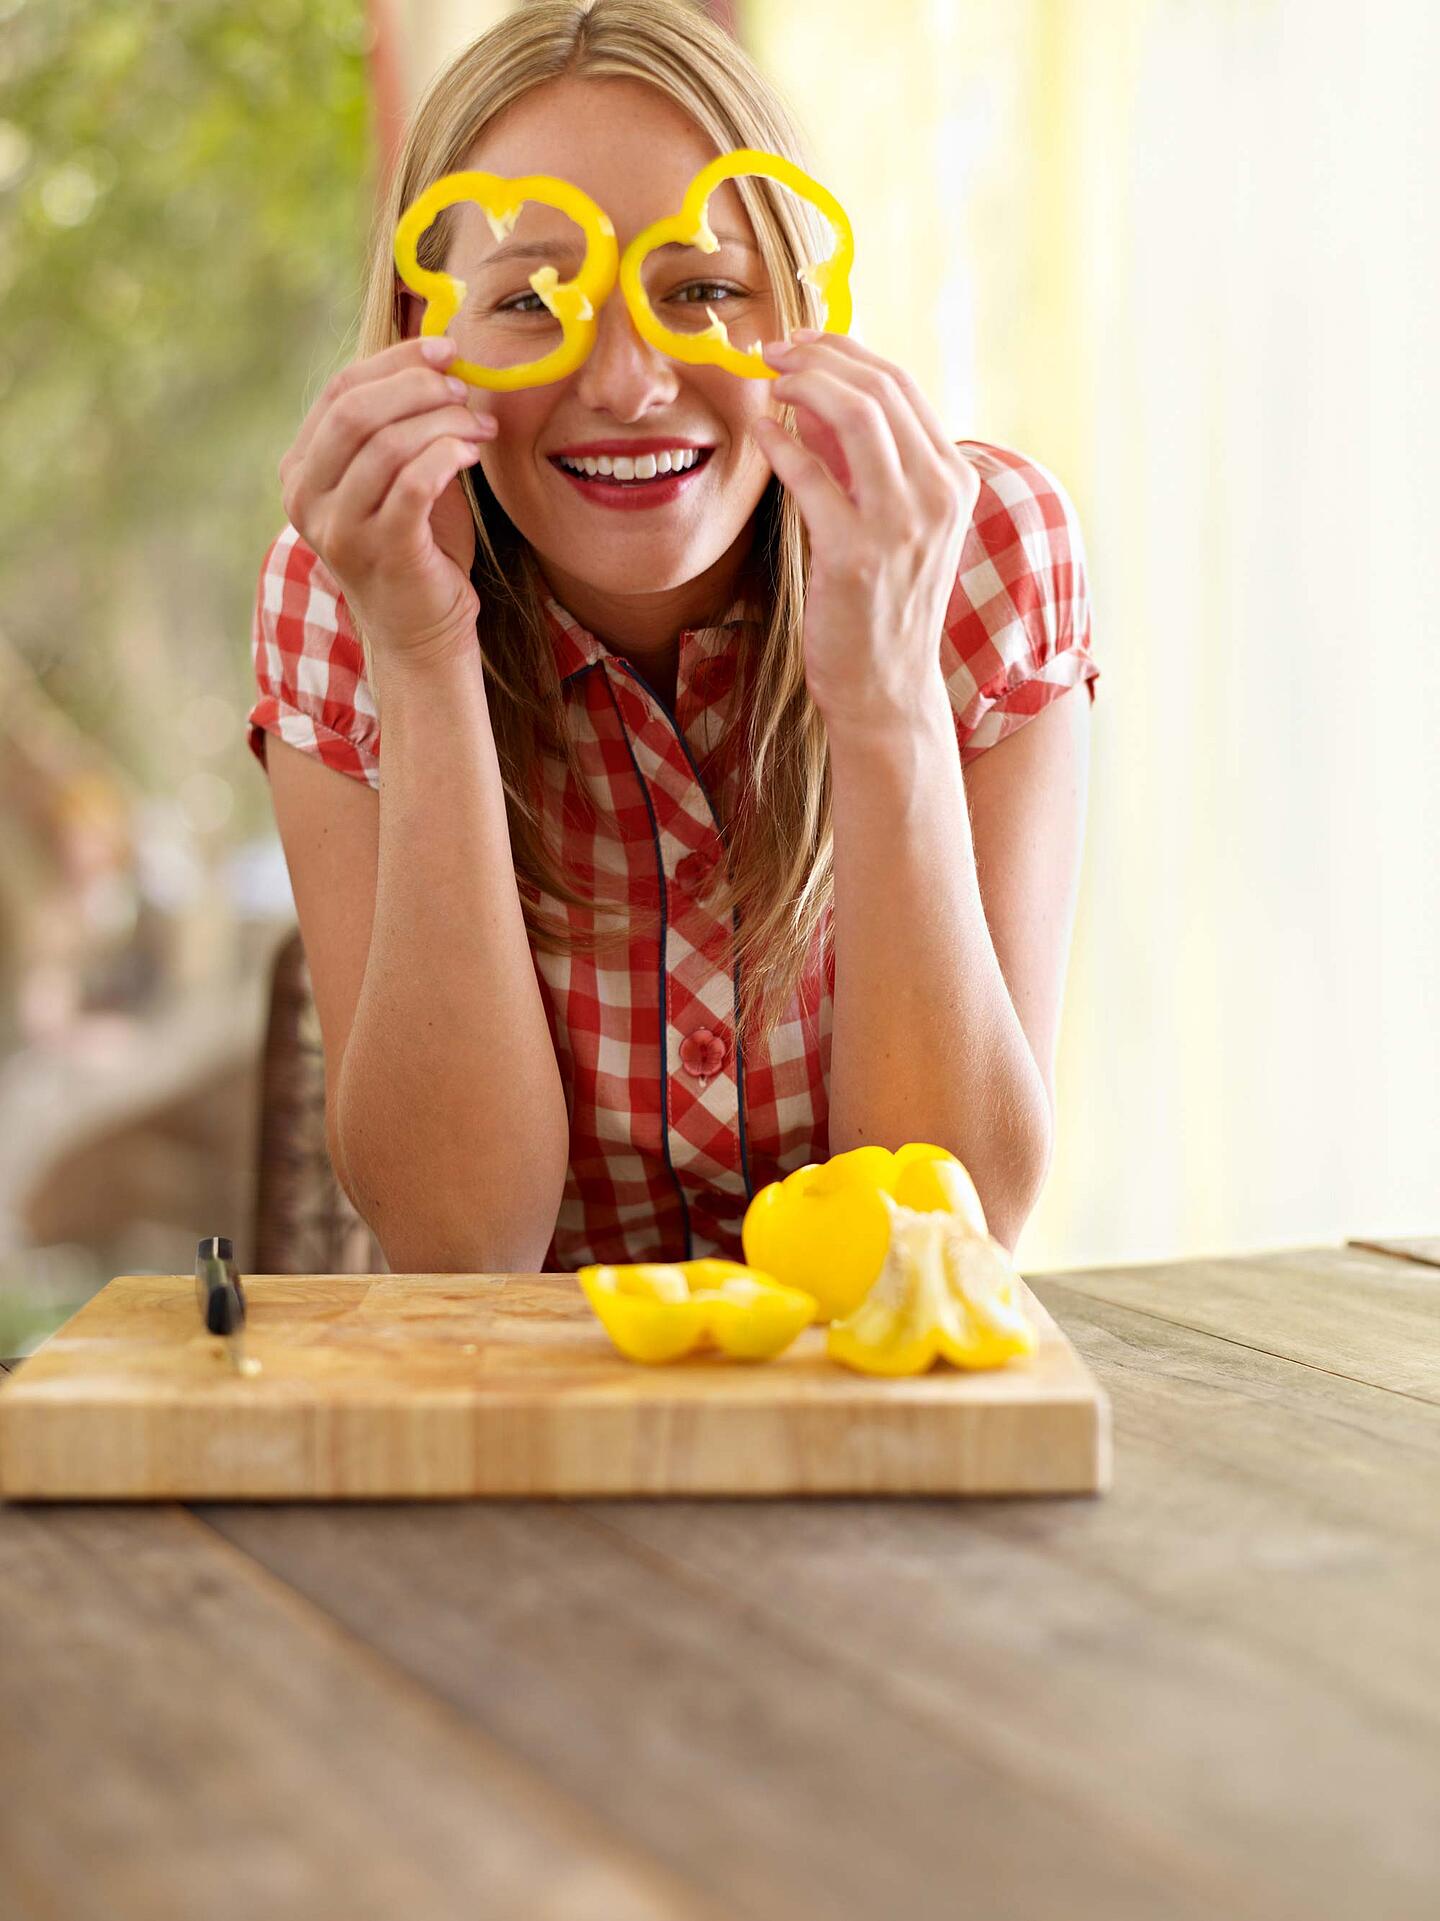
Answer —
372 484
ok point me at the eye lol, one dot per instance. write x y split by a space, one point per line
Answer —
706 287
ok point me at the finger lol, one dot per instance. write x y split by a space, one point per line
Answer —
849 348
419 484
414 353
370 475
362 411
914 447
828 514
860 420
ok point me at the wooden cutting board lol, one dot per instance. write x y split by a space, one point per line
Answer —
441 1386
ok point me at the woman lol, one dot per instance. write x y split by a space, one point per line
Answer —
669 881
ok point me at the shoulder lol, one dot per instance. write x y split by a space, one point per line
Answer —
1017 630
309 663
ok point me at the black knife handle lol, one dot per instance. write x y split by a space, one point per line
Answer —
218 1292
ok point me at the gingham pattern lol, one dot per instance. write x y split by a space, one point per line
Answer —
671 1133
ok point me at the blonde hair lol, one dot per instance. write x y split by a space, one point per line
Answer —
779 872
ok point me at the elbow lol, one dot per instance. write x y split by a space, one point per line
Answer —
1007 1211
427 1234
336 1151
423 1233
429 1249
433 1221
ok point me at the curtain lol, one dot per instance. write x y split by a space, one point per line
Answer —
1177 251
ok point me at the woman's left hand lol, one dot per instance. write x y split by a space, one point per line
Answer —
887 500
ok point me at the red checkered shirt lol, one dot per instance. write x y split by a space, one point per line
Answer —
672 1131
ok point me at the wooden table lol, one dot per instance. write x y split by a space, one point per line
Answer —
1213 1692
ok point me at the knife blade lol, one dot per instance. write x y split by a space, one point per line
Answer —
221 1298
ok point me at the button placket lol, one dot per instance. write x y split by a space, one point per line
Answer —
702 1111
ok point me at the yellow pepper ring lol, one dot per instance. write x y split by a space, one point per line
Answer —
658 1311
831 278
574 303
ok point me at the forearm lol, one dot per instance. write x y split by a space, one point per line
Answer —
927 1045
451 1114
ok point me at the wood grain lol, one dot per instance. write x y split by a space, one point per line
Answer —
1344 1310
780 1781
1426 1248
434 1386
1236 1648
1217 1691
181 1736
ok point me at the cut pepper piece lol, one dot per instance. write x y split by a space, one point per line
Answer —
689 227
573 302
941 1293
576 302
660 1310
824 1227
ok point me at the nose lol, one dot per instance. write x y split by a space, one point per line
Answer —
623 371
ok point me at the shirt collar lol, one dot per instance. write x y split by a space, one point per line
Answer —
577 648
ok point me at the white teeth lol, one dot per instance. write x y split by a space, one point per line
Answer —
623 467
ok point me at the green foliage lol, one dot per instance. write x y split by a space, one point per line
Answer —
184 187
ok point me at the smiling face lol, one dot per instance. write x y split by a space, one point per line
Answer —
634 576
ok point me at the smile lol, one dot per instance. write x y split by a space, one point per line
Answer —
649 481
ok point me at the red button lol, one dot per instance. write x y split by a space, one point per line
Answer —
694 871
703 1053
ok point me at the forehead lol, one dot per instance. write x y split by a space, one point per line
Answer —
627 145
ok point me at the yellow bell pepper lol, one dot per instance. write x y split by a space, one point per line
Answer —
689 227
658 1310
824 1228
576 302
941 1291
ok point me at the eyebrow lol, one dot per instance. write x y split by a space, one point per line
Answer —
567 249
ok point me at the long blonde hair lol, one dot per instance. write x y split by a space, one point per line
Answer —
779 872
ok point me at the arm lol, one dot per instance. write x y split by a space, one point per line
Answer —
446 1116
451 1113
952 929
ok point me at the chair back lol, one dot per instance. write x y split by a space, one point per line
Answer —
305 1222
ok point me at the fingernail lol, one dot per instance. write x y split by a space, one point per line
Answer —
438 348
777 347
806 333
457 387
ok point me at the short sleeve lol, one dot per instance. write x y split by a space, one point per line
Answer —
1017 630
309 665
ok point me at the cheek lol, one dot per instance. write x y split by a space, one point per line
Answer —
734 406
523 419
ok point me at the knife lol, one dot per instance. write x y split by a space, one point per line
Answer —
221 1298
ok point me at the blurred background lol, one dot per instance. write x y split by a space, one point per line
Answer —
1177 250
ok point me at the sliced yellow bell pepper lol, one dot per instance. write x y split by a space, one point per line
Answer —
658 1310
824 1228
574 303
941 1292
689 227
